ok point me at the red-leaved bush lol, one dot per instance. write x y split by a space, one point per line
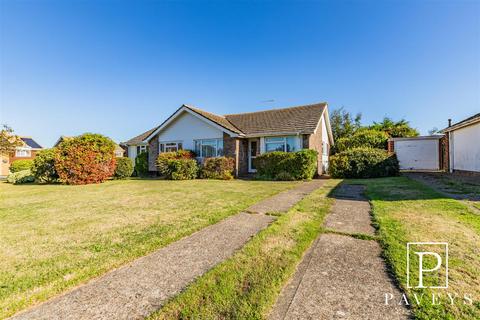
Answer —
85 159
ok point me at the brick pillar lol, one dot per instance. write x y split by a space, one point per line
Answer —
152 153
390 146
444 155
231 150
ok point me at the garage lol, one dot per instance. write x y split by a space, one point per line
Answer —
418 153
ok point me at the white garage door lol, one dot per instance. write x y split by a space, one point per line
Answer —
417 154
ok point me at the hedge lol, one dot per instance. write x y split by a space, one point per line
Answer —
218 168
88 158
141 164
363 163
21 165
24 176
279 165
44 166
123 168
179 165
364 138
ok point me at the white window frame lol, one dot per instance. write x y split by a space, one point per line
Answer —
169 142
23 153
140 149
284 142
216 147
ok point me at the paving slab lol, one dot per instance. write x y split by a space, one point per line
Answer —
341 277
141 287
286 199
350 212
345 278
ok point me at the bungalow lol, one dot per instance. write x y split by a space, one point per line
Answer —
463 145
136 145
242 136
27 151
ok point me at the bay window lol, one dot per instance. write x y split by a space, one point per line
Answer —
207 148
170 146
286 144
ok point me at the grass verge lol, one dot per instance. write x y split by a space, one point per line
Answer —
408 211
246 285
54 237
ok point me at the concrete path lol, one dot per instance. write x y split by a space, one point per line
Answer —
342 277
141 287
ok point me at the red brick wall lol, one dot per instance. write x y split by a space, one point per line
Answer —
152 153
237 149
444 158
315 143
33 154
390 146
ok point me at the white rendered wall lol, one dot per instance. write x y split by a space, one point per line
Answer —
325 142
187 128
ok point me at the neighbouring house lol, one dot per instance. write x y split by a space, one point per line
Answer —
136 145
27 151
119 151
242 136
424 153
463 139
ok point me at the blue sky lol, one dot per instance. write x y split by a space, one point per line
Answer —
120 68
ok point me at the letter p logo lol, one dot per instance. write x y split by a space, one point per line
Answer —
427 269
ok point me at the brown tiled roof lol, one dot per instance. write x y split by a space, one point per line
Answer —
301 119
220 120
139 139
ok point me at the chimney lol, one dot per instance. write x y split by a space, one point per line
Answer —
449 122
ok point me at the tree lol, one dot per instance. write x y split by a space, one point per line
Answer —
363 138
88 158
399 129
344 125
8 140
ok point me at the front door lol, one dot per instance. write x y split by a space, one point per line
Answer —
252 154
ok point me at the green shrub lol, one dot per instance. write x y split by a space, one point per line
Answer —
21 165
163 162
363 138
218 168
363 163
24 176
44 166
141 164
124 168
299 165
88 158
181 169
284 176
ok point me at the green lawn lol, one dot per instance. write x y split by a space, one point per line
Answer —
408 211
247 285
53 237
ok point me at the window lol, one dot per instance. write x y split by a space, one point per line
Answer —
287 144
170 146
22 153
207 148
141 149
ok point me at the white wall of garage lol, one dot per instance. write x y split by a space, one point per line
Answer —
418 153
465 148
